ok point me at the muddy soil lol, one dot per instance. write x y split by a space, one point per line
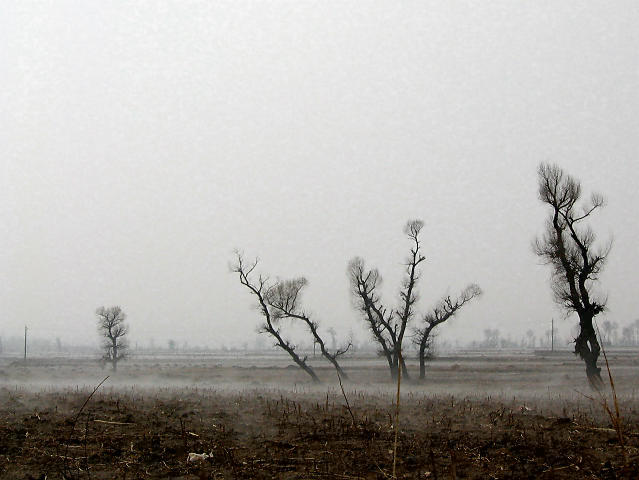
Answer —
250 427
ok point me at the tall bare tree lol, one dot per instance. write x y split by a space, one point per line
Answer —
444 310
364 285
569 247
260 287
284 300
388 326
408 293
113 328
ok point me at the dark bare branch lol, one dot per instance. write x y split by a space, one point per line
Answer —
284 299
576 260
262 289
408 294
364 284
445 309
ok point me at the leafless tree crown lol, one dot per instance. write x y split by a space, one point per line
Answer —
568 245
111 322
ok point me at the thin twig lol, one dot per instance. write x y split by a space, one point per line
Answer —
75 420
113 423
348 405
556 469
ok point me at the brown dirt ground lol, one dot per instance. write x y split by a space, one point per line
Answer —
294 430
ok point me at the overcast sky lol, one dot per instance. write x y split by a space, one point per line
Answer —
143 142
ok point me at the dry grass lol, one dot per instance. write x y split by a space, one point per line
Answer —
301 431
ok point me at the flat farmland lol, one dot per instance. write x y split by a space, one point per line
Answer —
252 415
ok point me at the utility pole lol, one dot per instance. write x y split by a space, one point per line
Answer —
25 344
552 334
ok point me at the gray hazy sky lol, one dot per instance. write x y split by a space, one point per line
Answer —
142 142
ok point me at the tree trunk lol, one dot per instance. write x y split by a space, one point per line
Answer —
114 360
389 359
405 373
337 366
306 368
301 362
394 368
422 360
588 348
325 352
396 363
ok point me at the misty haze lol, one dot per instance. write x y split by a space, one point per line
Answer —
343 240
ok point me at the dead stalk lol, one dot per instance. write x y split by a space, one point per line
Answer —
75 420
453 465
399 384
348 405
616 418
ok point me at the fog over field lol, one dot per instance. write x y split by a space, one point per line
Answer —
142 142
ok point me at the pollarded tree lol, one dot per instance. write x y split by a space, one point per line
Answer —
113 328
260 287
364 284
569 247
408 292
389 326
444 310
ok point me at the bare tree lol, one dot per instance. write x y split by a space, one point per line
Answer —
408 293
284 298
444 310
629 334
364 285
610 330
491 338
568 246
260 287
389 326
606 326
331 331
113 328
